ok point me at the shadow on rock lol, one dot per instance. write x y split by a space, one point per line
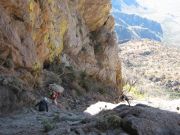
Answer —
145 120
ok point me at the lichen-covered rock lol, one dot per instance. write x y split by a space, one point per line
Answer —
32 31
79 32
96 13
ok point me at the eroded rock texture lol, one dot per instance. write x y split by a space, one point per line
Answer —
80 32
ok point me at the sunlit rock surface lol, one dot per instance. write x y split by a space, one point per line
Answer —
81 32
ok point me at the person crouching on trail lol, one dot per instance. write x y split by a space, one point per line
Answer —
42 105
56 91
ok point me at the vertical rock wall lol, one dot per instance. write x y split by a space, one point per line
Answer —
80 32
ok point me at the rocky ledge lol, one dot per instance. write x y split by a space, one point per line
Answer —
123 120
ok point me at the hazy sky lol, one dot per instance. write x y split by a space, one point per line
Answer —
161 8
166 12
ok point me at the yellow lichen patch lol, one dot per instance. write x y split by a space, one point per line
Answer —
34 36
134 91
36 72
33 13
49 34
49 40
81 6
32 9
52 49
60 49
31 5
32 18
46 38
36 69
36 66
63 27
50 1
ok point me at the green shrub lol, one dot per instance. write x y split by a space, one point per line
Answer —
56 118
134 91
114 121
48 126
98 48
83 75
107 122
102 91
8 63
84 84
36 72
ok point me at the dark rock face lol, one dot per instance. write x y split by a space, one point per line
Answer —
123 120
145 120
13 94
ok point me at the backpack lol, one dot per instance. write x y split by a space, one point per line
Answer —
43 106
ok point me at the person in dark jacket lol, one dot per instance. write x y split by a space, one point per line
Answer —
43 105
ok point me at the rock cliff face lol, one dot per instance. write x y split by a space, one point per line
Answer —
79 32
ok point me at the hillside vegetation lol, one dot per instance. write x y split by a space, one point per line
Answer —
154 67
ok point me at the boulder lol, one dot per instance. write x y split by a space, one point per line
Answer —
146 120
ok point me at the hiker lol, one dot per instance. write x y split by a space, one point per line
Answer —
125 98
54 95
43 105
56 91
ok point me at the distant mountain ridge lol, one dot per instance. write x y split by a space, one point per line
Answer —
132 26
